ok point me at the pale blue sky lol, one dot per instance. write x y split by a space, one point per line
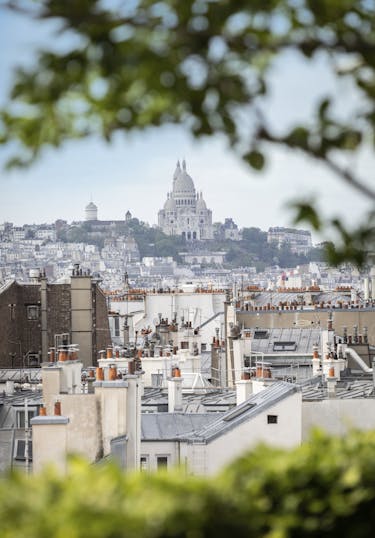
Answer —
135 171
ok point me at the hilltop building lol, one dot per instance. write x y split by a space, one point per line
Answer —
299 241
227 230
185 211
91 212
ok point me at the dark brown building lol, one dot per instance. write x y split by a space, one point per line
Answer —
37 316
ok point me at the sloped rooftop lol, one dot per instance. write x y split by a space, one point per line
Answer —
279 341
247 410
172 426
348 388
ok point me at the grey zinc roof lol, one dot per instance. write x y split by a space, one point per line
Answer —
172 426
33 375
348 388
304 339
207 400
247 410
272 297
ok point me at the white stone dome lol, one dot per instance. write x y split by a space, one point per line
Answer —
201 204
170 204
183 184
91 207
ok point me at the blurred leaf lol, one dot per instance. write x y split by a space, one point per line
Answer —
305 212
201 64
324 488
255 159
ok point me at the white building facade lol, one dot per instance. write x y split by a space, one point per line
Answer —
299 241
185 211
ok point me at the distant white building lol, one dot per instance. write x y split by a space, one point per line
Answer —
228 230
18 233
185 211
299 241
47 232
91 211
210 258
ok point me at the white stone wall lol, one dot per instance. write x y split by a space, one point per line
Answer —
152 449
337 417
287 433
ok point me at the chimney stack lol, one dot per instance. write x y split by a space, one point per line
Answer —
244 388
175 391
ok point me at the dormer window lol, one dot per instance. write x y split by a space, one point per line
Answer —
32 312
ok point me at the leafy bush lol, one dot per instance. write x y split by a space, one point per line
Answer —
323 488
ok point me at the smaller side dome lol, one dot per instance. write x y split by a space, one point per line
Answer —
201 204
170 204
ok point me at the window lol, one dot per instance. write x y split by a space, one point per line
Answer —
144 463
261 335
156 380
20 451
284 346
12 311
161 462
117 326
32 360
32 312
271 419
238 411
21 417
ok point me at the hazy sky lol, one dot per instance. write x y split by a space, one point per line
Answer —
135 171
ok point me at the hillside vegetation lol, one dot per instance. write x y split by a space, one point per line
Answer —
252 250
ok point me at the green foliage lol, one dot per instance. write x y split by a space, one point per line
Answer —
150 241
325 488
254 250
199 63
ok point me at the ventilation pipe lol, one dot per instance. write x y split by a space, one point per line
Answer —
57 408
373 283
316 361
366 288
112 373
9 387
365 335
349 352
51 355
99 374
